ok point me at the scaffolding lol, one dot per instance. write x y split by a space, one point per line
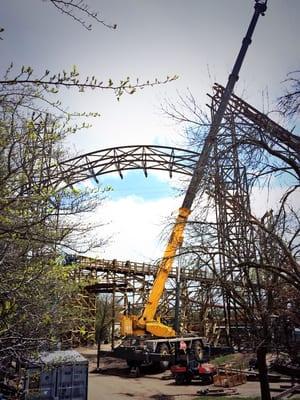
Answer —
236 235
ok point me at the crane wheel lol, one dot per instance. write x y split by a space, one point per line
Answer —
163 349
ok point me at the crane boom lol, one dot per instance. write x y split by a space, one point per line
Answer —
147 323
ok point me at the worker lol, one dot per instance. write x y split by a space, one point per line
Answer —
182 345
181 356
191 360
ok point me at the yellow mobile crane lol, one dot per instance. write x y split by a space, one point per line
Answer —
147 323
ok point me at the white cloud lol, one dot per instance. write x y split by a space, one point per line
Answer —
264 199
139 228
136 227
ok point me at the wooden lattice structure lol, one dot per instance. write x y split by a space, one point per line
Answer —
238 240
129 282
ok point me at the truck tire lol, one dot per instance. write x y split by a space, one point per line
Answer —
208 379
163 348
183 379
180 379
131 363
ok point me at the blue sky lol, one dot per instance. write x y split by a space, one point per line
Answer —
195 39
135 183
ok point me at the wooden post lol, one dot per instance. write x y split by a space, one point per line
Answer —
113 319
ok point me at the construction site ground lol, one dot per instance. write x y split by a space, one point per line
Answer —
114 382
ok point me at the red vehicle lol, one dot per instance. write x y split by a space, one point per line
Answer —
188 369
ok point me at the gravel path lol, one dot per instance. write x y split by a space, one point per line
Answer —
114 383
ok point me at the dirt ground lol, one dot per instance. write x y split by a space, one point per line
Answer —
114 383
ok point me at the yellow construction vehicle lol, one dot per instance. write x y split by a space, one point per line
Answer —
147 324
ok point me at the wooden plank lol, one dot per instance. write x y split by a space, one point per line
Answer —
287 391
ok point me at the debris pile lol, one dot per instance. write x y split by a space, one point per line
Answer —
228 377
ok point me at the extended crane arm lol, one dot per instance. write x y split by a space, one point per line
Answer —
165 267
146 322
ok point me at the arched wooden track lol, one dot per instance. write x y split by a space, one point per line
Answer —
124 158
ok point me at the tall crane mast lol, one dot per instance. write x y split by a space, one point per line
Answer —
146 322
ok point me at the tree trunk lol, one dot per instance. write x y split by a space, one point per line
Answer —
261 353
